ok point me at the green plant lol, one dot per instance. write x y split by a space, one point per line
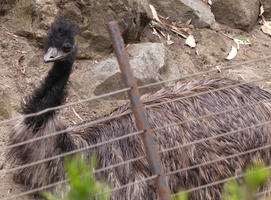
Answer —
181 196
242 38
83 183
17 107
153 24
254 178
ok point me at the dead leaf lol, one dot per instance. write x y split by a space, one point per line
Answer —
188 21
266 27
190 41
218 69
169 41
154 13
232 53
261 10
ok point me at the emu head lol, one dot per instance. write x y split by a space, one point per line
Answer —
59 42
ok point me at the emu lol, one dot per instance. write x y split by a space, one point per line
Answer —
61 50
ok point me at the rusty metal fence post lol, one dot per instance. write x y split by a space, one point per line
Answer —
139 111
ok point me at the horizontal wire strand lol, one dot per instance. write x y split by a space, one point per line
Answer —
263 193
214 183
206 92
65 130
196 166
156 129
140 87
35 190
141 157
155 176
65 105
181 146
218 160
206 72
68 153
126 89
173 172
65 181
128 112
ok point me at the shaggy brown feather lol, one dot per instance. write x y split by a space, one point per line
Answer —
162 115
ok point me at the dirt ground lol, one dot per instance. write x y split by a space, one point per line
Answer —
22 69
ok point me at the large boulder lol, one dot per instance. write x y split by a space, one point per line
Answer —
267 8
150 63
241 14
183 10
32 18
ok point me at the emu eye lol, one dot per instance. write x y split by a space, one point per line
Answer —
66 49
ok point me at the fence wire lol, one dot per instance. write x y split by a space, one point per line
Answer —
64 106
124 136
166 150
155 176
139 132
140 87
215 183
126 113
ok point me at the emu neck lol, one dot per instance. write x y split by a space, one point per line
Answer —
51 93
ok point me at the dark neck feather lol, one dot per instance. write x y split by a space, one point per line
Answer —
50 94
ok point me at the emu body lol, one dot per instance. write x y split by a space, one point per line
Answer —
158 116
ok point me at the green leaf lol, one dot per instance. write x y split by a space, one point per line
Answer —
17 107
49 196
153 24
256 176
82 181
181 196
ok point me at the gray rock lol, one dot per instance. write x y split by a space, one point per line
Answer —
5 108
242 14
32 18
183 10
150 63
213 46
267 8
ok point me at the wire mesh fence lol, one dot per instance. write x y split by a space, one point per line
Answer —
128 112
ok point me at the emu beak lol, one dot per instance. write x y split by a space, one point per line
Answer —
53 54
